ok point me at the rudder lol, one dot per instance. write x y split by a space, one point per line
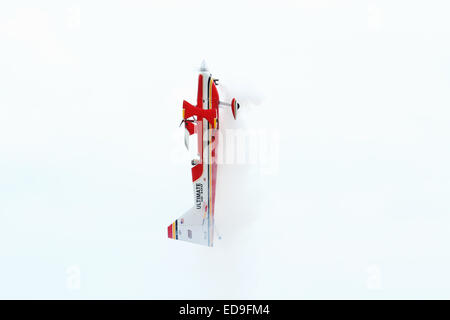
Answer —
193 227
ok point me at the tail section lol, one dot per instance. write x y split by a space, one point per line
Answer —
193 227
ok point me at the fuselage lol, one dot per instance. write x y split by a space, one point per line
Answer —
197 225
205 172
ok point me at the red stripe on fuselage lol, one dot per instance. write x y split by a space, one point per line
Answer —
169 231
197 171
200 92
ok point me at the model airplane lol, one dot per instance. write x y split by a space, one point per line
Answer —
197 224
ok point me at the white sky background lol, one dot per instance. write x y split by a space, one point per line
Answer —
92 170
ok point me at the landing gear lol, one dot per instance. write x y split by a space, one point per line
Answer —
234 107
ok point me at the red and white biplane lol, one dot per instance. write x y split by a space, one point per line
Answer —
197 224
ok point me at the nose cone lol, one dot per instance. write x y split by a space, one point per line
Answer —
203 67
